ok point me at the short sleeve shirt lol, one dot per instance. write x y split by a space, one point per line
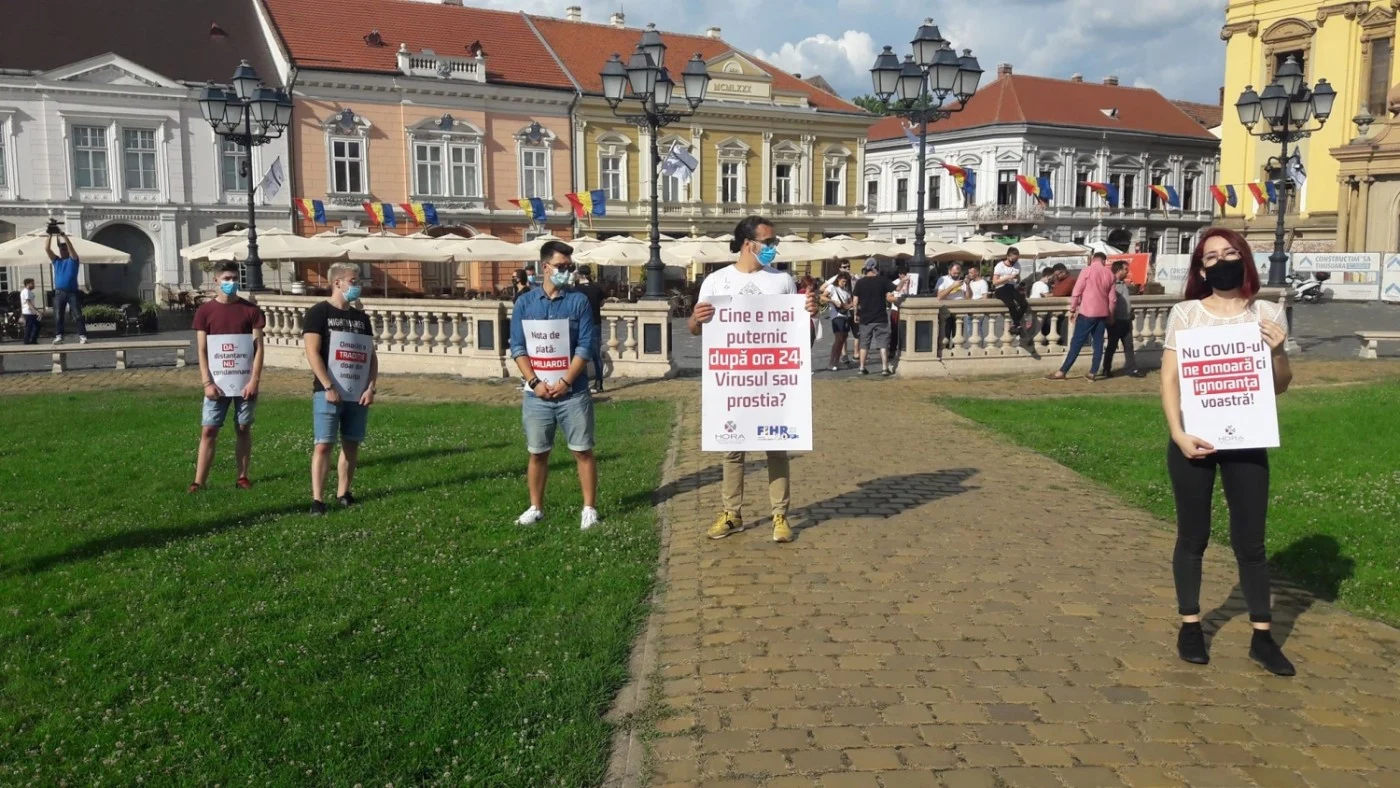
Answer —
1193 314
871 306
730 281
1005 269
324 318
236 317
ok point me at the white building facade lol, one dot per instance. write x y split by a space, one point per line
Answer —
122 156
996 149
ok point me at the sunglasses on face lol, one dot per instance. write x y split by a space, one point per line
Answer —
769 241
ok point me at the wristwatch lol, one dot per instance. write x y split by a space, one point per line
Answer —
531 383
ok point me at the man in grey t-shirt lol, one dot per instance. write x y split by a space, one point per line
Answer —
1122 328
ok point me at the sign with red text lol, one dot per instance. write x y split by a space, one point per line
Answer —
547 344
757 391
1227 386
230 362
348 360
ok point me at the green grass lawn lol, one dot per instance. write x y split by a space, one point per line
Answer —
1335 482
229 638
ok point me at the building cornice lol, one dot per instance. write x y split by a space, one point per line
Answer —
1040 131
1250 26
1349 10
360 84
90 89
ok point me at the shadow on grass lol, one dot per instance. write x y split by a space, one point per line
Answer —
372 461
689 483
1315 561
887 496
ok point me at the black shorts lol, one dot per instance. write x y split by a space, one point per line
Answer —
841 325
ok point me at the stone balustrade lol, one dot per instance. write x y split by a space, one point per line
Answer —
471 338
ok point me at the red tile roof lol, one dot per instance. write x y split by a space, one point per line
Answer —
584 47
319 36
1208 115
1018 99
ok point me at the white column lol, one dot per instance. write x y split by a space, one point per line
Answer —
766 195
860 173
646 173
697 185
580 179
809 165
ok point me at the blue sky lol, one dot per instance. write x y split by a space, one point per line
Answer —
1173 46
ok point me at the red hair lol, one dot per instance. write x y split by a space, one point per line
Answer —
1196 287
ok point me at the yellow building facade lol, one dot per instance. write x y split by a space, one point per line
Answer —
1351 45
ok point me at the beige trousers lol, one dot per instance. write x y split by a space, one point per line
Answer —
779 488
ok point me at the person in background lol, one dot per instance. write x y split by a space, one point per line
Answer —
1121 329
566 403
1221 285
29 309
843 268
1062 284
1041 289
975 289
333 417
807 285
873 296
1006 285
950 287
65 286
584 283
228 313
1091 309
902 286
521 280
838 296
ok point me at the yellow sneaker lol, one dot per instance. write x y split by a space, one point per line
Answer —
782 532
727 523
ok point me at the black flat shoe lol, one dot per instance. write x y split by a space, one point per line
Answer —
318 509
1266 652
347 500
1191 644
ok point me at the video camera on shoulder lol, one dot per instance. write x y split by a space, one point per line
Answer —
54 227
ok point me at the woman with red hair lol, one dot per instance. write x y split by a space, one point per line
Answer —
1221 286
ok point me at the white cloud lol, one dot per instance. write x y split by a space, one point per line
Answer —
821 54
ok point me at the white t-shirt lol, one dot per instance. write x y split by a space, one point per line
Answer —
730 281
1193 314
26 302
945 282
978 288
1040 289
1005 269
840 298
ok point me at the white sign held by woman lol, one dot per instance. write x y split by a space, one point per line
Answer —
1227 386
349 363
547 343
757 391
230 362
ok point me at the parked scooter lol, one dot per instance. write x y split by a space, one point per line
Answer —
1309 290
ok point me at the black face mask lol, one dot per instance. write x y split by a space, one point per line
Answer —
1225 275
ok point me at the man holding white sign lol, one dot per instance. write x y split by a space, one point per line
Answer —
551 339
1222 363
340 350
229 343
757 388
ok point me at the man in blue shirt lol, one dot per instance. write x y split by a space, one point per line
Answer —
65 286
551 338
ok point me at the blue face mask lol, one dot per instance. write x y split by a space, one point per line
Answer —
228 288
352 293
562 278
767 255
530 279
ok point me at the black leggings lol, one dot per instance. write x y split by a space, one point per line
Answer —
1015 301
1244 474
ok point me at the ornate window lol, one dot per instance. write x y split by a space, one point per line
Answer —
231 159
835 159
1287 38
901 194
447 159
1158 178
139 159
612 165
1006 187
674 188
872 189
1377 57
90 158
732 155
787 168
347 156
533 145
1188 189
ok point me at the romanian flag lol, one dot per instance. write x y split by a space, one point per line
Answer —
970 187
599 199
958 173
1029 185
1257 192
1272 191
577 204
1101 189
1046 193
1173 199
313 210
413 212
429 213
1160 191
1231 197
524 206
381 212
537 208
1218 195
1112 196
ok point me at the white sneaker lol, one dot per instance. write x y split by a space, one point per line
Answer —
58 340
82 340
590 518
530 517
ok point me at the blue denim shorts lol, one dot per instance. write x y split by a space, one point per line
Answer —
216 410
574 413
349 419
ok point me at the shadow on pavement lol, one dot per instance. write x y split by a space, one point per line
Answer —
885 497
1316 561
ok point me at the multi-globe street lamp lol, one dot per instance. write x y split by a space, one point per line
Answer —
250 115
931 84
1286 106
645 79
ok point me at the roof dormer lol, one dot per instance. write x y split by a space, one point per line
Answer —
427 63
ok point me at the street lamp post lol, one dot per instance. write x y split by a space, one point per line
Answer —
1286 106
932 84
249 115
645 79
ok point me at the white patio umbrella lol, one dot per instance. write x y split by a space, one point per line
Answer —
935 251
281 245
201 250
845 247
985 247
623 250
484 249
336 235
796 249
691 251
391 248
29 249
1104 248
1037 246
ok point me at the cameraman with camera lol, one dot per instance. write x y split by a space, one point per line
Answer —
65 283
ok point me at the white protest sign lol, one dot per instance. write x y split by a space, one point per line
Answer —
230 362
547 344
1227 386
757 391
349 363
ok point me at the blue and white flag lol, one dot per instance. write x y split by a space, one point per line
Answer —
272 182
1295 171
679 163
914 141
